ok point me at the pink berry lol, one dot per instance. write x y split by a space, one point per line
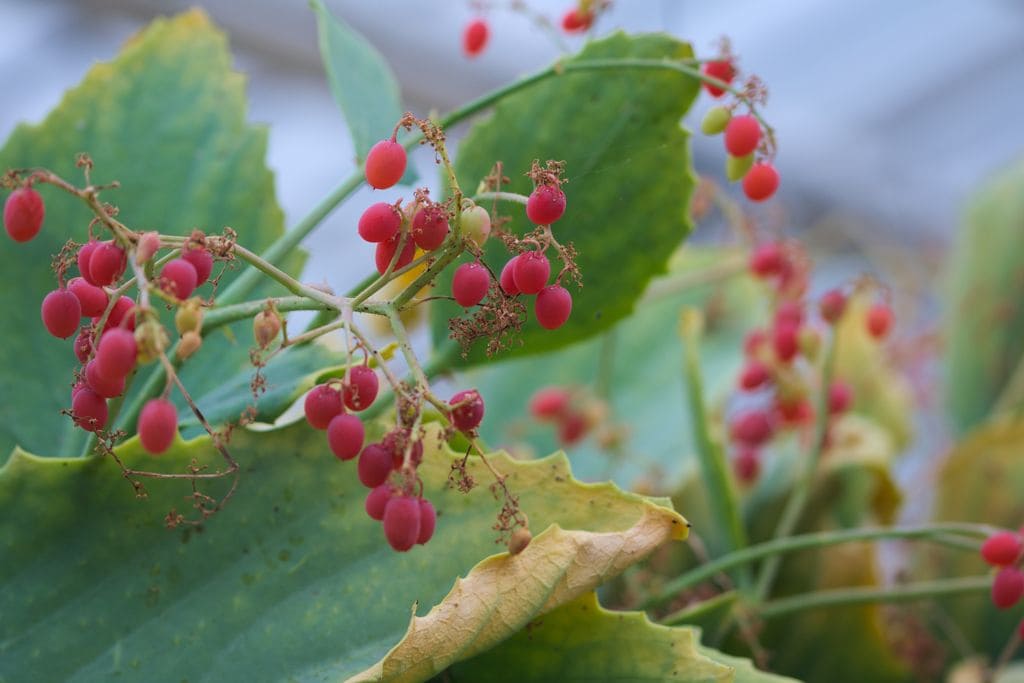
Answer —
84 258
102 385
89 410
148 245
345 436
429 227
380 222
1003 548
722 70
202 261
879 320
402 522
106 264
531 272
396 442
832 305
794 412
507 279
377 500
572 428
23 214
360 388
752 428
576 21
375 464
552 307
474 38
1007 587
385 164
92 298
549 403
761 182
121 313
754 374
116 353
789 313
83 344
545 205
386 251
747 465
61 312
786 342
840 397
742 134
470 284
767 260
322 404
467 417
158 424
178 278
428 520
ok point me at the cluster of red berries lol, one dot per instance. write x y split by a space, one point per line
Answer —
1004 551
555 404
771 367
477 32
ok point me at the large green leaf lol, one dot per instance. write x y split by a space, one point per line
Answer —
166 118
291 581
582 641
985 323
629 172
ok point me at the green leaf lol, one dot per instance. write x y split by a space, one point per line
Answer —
630 179
361 81
582 641
166 118
985 322
291 580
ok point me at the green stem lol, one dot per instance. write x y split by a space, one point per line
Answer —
938 533
861 595
225 315
714 471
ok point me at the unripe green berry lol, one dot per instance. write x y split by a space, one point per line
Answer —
810 343
737 167
265 327
475 223
189 316
715 121
189 344
150 339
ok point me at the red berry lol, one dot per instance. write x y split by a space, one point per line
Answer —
752 428
148 245
879 320
767 260
747 465
102 385
61 312
345 436
360 388
158 424
83 343
531 272
794 412
545 205
467 417
402 522
840 397
549 403
722 70
789 313
377 500
84 258
474 38
742 134
178 278
106 264
202 261
760 182
754 374
385 164
429 227
470 284
375 464
396 442
380 222
507 280
92 298
322 404
832 305
120 313
89 409
428 520
23 214
1003 548
1007 587
572 428
575 21
386 252
786 342
116 353
553 306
